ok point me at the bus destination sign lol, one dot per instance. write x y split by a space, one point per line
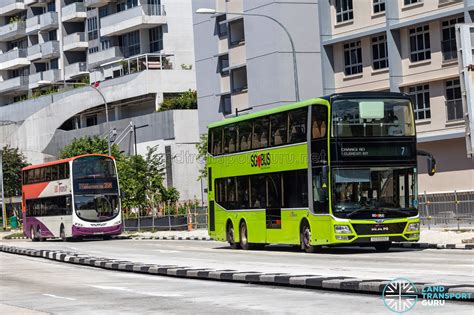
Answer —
369 151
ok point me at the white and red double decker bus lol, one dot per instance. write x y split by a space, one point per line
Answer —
71 198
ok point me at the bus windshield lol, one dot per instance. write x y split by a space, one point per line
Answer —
96 196
374 189
372 118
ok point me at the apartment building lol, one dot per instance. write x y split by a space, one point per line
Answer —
245 61
405 46
342 45
137 52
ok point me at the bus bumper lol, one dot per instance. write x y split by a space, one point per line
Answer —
84 231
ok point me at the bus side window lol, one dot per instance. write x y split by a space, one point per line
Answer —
245 135
243 192
66 170
216 141
260 133
230 135
320 194
47 171
278 129
54 172
319 122
297 126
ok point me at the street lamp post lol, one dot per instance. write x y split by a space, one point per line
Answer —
43 82
4 208
295 67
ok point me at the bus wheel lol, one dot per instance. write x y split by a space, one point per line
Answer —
32 234
382 247
62 234
230 236
305 239
244 242
38 235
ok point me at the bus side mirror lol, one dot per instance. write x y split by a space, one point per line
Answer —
431 164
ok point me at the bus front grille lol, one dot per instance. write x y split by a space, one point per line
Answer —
379 228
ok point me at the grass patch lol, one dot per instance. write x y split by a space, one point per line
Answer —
10 236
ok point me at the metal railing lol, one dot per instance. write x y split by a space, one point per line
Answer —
448 209
454 110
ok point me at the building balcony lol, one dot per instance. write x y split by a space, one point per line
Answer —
13 59
75 70
34 52
48 21
12 31
14 84
52 75
33 25
75 12
145 16
75 42
104 56
35 2
10 7
97 3
50 50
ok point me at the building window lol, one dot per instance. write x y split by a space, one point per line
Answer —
131 43
104 44
223 64
420 43
379 6
352 58
421 101
93 50
236 32
239 80
51 7
54 64
379 52
91 121
221 26
344 10
126 5
103 11
225 106
408 2
448 41
52 35
92 28
454 109
156 39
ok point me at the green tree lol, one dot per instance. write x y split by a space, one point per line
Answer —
186 100
89 145
13 162
202 156
132 178
155 170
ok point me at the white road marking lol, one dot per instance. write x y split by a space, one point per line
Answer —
166 251
123 289
59 297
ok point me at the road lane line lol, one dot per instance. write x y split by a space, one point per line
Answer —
59 297
123 289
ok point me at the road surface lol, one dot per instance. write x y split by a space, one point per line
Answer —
37 286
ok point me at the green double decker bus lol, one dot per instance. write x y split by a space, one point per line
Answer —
336 170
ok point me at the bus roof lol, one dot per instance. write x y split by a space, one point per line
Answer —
61 161
319 100
270 111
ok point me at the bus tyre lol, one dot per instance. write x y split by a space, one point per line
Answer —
382 247
38 234
305 239
62 234
230 236
244 242
32 234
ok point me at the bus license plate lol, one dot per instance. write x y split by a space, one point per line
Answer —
98 233
379 239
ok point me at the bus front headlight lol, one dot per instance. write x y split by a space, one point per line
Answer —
413 227
342 229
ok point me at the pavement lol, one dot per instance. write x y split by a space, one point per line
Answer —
38 286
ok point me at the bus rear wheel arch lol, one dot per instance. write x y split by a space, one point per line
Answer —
305 238
230 235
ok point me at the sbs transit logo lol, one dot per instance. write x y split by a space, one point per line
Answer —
261 160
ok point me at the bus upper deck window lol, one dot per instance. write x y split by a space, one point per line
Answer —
319 122
297 130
